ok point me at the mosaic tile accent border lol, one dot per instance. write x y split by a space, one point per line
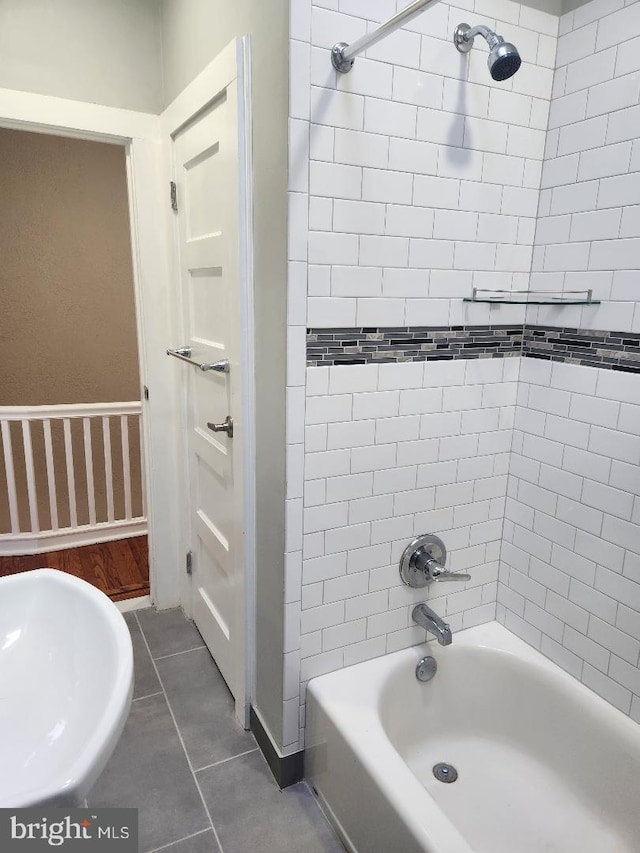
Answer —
380 345
606 349
611 350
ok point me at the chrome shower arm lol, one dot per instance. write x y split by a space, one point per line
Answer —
343 55
491 38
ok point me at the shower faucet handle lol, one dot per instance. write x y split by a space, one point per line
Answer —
423 561
437 573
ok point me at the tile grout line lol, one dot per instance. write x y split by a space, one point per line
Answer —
207 767
190 765
179 840
147 696
225 760
175 654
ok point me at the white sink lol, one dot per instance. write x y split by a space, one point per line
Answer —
66 679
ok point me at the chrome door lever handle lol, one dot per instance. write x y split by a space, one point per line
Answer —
227 426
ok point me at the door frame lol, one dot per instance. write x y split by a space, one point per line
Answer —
234 61
139 133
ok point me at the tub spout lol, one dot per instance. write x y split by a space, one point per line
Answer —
426 618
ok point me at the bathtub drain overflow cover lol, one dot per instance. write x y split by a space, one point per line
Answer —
445 772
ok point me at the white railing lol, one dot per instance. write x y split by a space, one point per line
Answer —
73 475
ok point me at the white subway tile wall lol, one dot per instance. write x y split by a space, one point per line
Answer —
410 157
570 564
588 231
406 449
413 179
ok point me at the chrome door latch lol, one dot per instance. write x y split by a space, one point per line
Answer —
227 426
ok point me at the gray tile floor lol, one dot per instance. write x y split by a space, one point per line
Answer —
198 780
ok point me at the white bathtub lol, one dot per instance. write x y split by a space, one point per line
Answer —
545 765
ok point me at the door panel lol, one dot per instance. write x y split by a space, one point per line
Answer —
207 178
207 297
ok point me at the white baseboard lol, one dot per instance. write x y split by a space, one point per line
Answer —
24 544
130 604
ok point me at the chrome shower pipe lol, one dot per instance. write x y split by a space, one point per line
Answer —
463 39
343 54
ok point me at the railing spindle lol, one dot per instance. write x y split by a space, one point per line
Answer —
88 464
108 467
71 479
51 474
31 477
126 464
11 479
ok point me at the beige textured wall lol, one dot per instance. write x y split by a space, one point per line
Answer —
67 313
67 317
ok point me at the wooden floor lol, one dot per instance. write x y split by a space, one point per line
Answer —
120 568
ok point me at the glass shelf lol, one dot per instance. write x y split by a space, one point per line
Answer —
523 297
534 301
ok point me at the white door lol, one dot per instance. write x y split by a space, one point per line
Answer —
207 176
